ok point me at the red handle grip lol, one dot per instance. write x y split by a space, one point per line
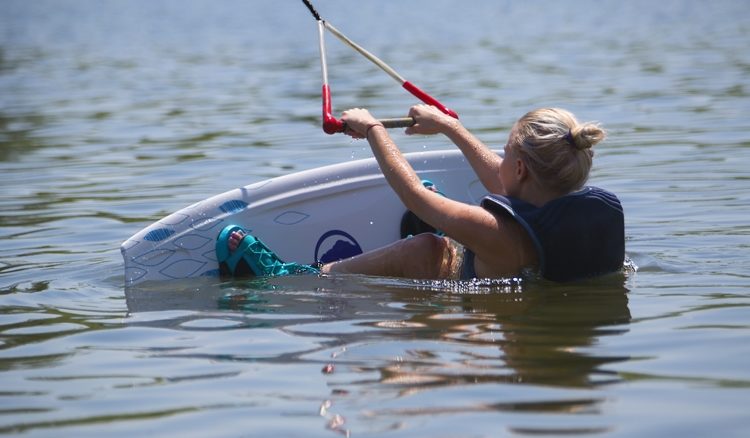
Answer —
331 125
426 98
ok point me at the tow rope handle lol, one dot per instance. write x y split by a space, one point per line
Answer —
332 125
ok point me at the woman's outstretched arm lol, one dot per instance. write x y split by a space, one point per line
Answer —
470 225
484 161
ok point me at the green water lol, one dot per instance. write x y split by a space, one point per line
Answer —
115 114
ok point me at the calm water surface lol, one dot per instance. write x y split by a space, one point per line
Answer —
114 114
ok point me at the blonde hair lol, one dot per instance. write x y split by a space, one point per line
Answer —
555 147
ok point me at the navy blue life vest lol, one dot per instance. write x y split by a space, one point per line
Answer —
576 236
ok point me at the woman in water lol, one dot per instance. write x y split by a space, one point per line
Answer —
539 217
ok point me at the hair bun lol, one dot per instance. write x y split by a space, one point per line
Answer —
586 135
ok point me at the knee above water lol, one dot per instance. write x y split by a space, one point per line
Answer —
431 243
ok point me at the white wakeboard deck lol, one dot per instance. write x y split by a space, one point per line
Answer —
320 214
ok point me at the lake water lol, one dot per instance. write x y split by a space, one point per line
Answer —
114 114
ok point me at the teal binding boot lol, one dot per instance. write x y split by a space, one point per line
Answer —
252 258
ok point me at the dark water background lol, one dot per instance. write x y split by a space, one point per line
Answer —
114 114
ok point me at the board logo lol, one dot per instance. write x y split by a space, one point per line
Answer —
336 245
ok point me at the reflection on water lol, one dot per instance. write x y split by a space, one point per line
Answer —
114 116
388 337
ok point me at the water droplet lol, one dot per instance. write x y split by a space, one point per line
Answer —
336 422
324 407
